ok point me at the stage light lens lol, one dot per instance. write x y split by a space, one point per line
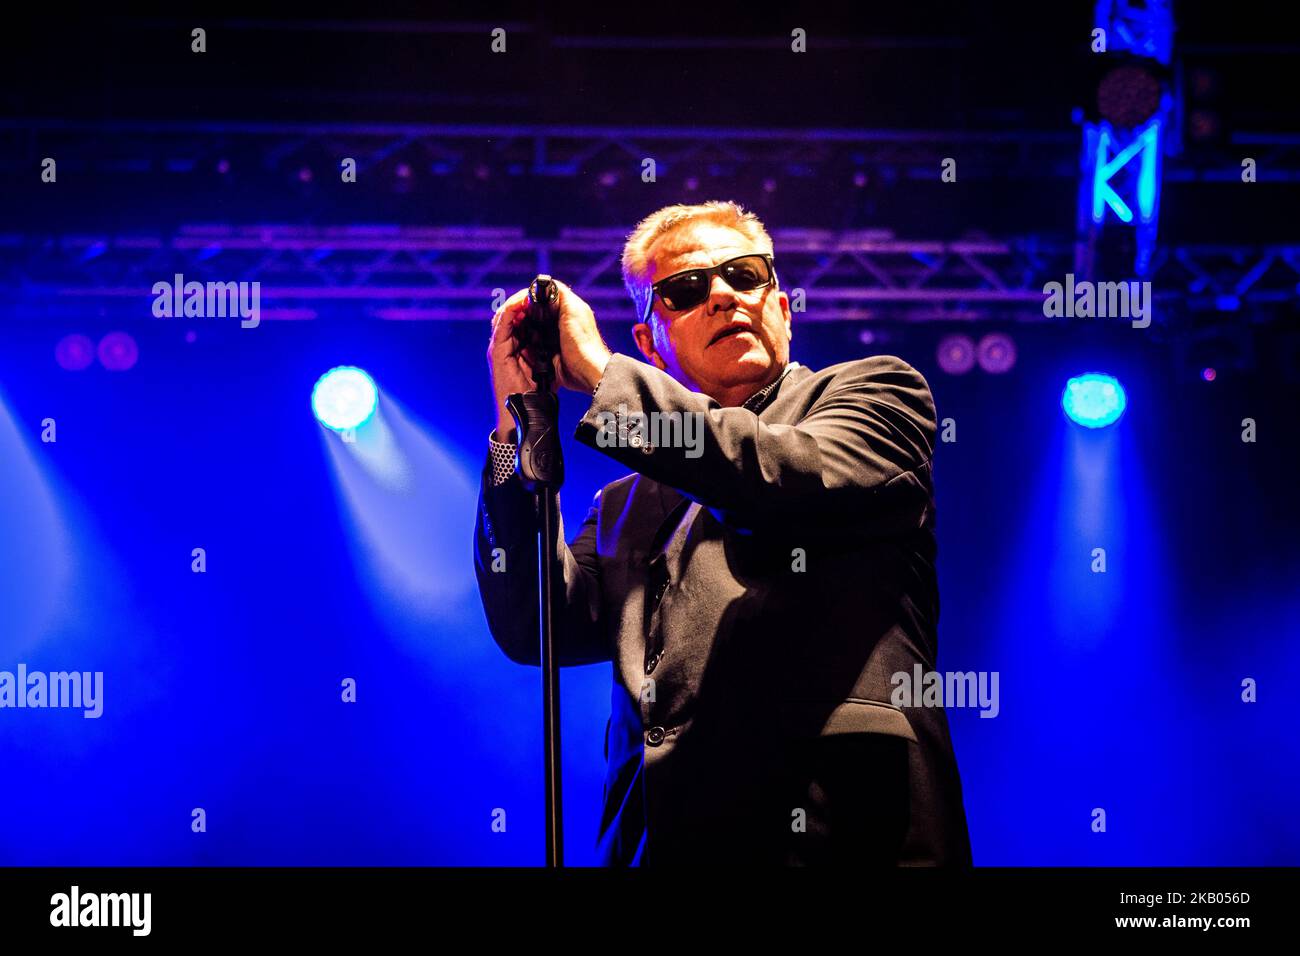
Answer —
1094 400
996 353
74 352
956 354
118 352
344 397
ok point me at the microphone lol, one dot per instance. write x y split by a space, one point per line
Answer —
539 332
537 413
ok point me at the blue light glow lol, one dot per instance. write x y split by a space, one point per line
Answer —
1148 185
344 398
1094 400
1145 143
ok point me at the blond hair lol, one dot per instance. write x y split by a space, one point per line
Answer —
636 252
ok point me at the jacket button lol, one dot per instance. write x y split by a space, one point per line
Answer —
651 664
654 736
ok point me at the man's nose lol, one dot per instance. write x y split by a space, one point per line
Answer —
722 297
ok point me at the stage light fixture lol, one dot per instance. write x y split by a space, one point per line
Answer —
956 354
997 353
1094 400
118 352
1128 96
344 397
74 352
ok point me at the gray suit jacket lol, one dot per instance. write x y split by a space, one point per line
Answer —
755 601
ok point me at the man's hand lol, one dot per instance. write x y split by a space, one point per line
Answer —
507 364
583 353
579 366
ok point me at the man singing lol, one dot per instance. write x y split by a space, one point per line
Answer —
755 592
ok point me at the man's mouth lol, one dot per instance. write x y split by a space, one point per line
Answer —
729 330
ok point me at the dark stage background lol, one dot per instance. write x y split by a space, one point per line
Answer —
1119 690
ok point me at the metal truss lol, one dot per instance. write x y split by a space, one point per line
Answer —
451 273
125 147
547 150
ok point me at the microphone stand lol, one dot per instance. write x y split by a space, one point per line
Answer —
540 464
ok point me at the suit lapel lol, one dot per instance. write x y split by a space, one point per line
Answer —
673 506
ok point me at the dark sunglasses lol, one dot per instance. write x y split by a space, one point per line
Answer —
685 290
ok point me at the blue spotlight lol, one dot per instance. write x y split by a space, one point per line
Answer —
344 397
1094 400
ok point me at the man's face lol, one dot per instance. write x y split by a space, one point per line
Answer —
689 345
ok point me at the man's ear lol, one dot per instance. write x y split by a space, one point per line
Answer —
645 341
